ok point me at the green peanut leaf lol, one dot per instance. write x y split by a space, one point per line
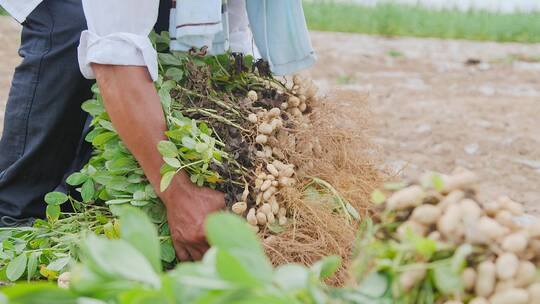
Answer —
16 267
59 264
117 201
107 125
56 198
166 180
139 195
167 253
123 164
231 269
7 245
189 142
91 135
173 162
32 265
103 138
161 41
141 296
118 259
201 147
93 107
165 97
175 74
169 59
76 179
136 228
88 191
53 213
326 267
244 246
167 149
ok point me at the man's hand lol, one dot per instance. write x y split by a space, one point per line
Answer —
187 208
133 104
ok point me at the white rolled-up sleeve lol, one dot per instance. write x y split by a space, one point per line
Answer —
118 35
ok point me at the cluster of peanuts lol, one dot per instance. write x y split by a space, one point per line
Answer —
269 124
276 174
303 93
452 216
267 209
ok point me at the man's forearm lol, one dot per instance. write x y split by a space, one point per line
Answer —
135 110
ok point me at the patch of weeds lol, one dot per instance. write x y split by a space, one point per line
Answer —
394 53
345 79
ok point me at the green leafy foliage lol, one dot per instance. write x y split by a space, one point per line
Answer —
38 293
101 256
47 249
383 257
119 271
242 250
140 233
201 99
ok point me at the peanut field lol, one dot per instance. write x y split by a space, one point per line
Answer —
397 170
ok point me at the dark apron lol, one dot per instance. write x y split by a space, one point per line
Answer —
164 15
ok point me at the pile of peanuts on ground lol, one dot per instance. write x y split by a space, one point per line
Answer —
275 132
510 239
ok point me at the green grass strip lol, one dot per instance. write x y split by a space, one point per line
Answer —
402 20
394 20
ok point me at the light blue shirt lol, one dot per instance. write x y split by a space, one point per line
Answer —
280 32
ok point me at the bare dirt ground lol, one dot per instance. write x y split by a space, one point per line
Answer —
9 41
429 109
432 111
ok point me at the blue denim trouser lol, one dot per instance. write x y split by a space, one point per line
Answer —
43 127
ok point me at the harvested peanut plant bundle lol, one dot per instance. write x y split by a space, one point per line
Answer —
231 127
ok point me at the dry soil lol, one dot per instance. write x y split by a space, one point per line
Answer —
435 104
